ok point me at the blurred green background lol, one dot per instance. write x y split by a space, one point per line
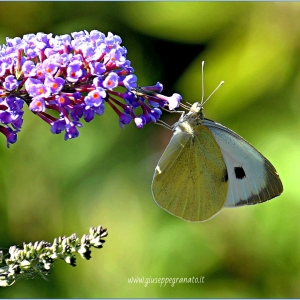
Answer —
50 187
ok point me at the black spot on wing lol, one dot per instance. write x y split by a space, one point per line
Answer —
239 173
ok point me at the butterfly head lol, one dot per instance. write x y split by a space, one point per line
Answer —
196 110
196 107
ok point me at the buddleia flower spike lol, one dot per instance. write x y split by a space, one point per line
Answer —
65 79
38 258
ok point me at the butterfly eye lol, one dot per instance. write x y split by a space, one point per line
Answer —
239 173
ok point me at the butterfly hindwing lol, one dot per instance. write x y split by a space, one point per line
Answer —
252 178
190 180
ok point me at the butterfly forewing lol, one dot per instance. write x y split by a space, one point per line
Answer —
252 178
190 180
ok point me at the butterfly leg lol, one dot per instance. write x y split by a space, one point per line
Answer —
164 124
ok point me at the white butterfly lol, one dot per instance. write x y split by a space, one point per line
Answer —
207 166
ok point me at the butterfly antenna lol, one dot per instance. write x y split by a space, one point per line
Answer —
202 100
202 71
213 92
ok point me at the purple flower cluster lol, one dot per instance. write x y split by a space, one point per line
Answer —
72 78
